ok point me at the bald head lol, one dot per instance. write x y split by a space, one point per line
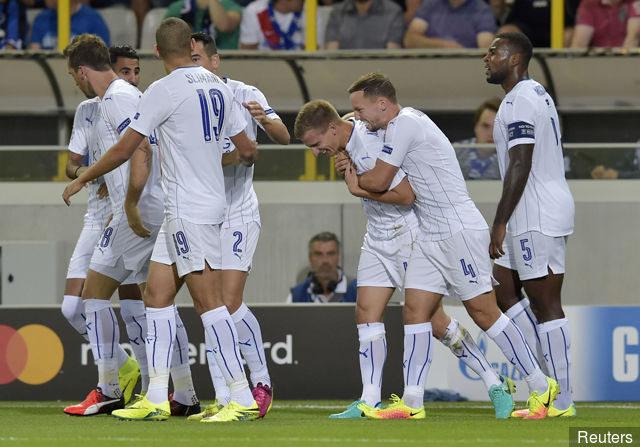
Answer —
173 38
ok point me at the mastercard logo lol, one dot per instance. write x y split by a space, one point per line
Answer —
32 354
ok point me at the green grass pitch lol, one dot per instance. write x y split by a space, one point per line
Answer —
304 423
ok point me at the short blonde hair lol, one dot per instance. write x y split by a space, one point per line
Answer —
173 38
316 115
88 50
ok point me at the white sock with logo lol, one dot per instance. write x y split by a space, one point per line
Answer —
223 394
523 317
224 338
104 333
556 346
463 346
418 354
135 318
372 354
183 390
511 341
251 345
161 335
73 311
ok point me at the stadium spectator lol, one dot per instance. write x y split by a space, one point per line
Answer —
326 281
275 25
451 24
84 19
604 23
481 163
13 25
533 18
364 24
218 18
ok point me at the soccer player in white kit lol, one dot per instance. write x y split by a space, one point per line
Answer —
94 222
191 109
535 214
119 253
240 231
450 254
392 226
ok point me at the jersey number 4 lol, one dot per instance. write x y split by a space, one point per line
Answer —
215 108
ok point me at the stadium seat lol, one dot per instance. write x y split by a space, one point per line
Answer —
122 24
149 26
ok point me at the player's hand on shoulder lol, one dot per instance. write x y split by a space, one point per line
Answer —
256 110
342 162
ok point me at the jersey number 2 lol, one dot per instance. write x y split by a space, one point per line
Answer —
217 110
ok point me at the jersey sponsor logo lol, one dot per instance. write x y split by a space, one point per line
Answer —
89 120
153 139
387 149
123 125
269 111
520 129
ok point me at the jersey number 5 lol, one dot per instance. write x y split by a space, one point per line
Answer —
216 108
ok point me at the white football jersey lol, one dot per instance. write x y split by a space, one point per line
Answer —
192 110
98 211
242 203
528 115
384 220
416 145
115 113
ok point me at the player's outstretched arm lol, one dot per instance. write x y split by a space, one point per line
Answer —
114 157
141 161
247 149
276 129
513 186
379 178
402 194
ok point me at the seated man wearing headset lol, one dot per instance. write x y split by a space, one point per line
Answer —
326 282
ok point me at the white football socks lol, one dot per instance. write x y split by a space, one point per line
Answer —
463 346
104 334
523 317
224 345
511 341
73 311
418 353
251 345
372 353
135 319
161 335
183 389
556 346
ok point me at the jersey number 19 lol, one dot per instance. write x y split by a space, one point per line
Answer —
217 109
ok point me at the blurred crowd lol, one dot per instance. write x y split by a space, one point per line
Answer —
348 24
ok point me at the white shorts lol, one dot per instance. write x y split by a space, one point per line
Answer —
383 263
458 266
239 245
532 254
188 245
119 242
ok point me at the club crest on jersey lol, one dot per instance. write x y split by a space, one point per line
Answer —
540 90
387 149
123 125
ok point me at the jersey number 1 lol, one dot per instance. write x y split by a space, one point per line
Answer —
217 109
